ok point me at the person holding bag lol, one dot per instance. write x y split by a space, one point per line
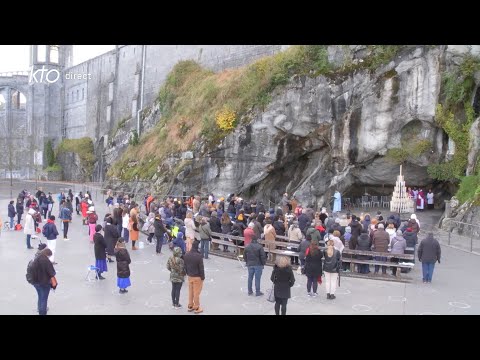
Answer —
283 279
44 279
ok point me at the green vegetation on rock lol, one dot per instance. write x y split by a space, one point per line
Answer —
469 189
49 153
54 167
192 96
85 150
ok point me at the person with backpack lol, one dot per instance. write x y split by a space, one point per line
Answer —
331 266
11 214
100 249
29 227
176 266
50 232
40 273
123 268
92 219
66 217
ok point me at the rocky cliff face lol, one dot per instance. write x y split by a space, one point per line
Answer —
321 134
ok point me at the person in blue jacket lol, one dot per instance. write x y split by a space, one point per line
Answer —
180 242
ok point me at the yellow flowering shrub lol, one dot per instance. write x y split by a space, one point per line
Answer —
225 119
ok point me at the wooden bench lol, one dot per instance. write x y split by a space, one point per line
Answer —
350 259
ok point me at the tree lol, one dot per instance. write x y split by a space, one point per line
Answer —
49 153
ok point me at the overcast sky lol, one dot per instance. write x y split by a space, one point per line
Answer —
16 57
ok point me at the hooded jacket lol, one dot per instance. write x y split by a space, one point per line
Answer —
398 245
176 266
179 242
123 262
29 227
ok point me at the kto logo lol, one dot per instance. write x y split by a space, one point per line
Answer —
39 75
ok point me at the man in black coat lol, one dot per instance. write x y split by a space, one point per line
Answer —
196 275
111 237
303 222
19 208
43 273
429 252
215 226
255 259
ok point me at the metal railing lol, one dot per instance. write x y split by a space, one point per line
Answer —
462 235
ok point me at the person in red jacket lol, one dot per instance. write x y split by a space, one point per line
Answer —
248 233
84 208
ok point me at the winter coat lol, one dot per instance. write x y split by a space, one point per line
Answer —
205 231
134 231
295 234
366 223
313 263
364 244
29 226
66 214
314 234
100 246
111 237
11 211
50 230
239 226
283 279
189 228
380 242
194 262
123 261
269 232
303 248
254 254
279 227
215 224
332 264
179 242
176 266
356 228
398 245
84 208
411 238
429 250
19 208
303 222
43 270
227 228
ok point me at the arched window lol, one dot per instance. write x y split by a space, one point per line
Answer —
3 99
19 101
54 54
42 53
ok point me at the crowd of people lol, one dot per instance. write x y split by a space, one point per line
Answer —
187 224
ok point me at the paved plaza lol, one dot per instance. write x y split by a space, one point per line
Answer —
455 289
